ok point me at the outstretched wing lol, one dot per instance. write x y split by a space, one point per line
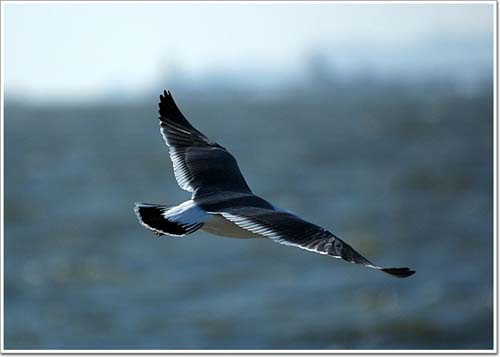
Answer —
200 164
286 228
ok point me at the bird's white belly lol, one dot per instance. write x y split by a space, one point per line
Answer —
218 225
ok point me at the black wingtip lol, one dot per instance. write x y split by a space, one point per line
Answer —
166 102
399 272
166 94
170 111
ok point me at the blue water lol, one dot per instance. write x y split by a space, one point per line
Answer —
403 176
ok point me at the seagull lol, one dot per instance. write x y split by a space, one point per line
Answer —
222 203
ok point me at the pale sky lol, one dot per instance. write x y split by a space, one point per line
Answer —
74 49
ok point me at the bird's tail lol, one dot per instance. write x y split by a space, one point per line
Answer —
171 220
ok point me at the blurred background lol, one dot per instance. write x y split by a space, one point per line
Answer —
373 120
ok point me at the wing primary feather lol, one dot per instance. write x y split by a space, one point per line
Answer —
169 110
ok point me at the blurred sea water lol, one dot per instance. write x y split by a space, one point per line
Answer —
404 174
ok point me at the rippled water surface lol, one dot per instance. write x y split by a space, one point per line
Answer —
404 176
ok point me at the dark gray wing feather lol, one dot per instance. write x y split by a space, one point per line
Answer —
287 228
200 164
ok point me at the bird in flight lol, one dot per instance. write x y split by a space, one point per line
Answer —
222 203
